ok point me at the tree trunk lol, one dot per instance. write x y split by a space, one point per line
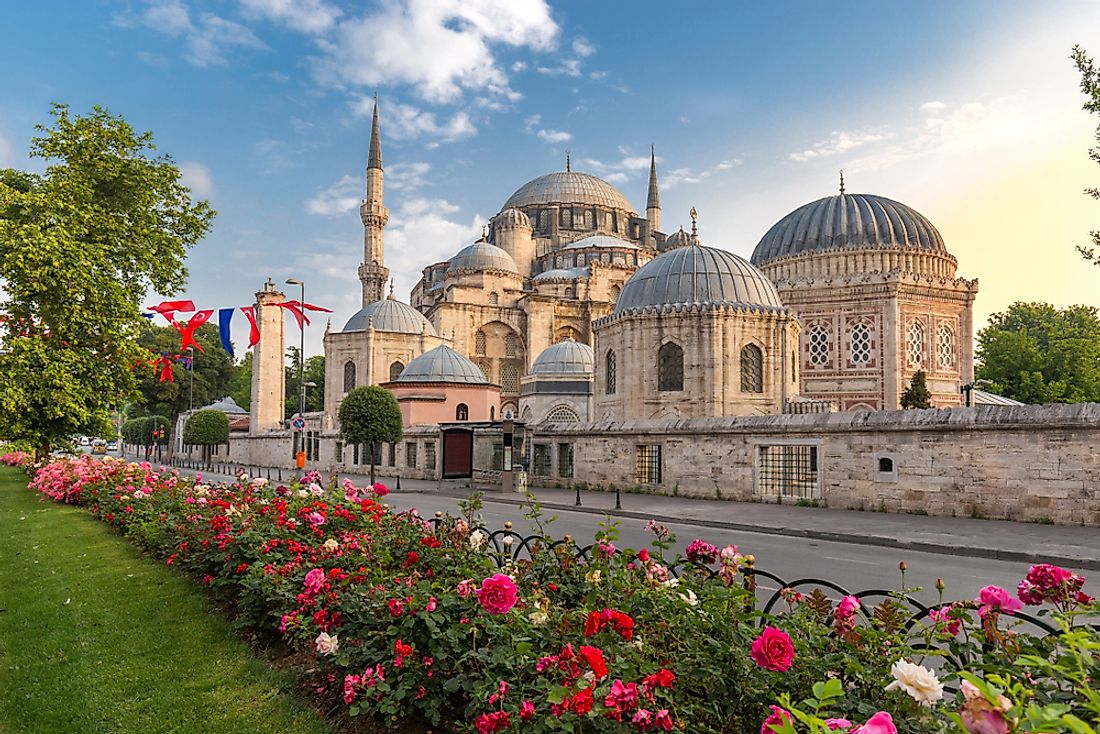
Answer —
371 463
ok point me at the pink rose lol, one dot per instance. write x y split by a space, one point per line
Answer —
994 598
880 723
466 587
773 650
315 581
662 720
778 717
848 606
431 605
380 489
526 710
835 724
497 594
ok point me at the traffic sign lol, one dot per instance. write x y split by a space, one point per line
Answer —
299 423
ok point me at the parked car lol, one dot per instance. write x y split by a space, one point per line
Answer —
99 446
112 445
84 440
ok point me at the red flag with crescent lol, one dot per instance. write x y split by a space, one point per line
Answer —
187 331
167 309
253 330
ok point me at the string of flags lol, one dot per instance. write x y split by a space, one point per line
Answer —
169 309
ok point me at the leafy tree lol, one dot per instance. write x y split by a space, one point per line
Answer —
240 385
147 432
370 415
1036 353
1090 85
315 373
917 395
214 371
80 246
206 428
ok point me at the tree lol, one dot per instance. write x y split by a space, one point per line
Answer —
1090 85
240 385
80 246
370 415
917 395
206 428
146 432
214 371
315 373
1036 353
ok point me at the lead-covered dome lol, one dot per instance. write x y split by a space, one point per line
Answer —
390 315
568 187
442 364
697 274
849 221
600 240
482 256
565 358
511 217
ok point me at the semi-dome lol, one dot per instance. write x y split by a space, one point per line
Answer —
849 221
442 364
482 256
563 274
226 405
679 238
697 274
600 240
390 315
568 187
565 358
511 217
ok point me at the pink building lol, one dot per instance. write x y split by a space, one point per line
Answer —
442 386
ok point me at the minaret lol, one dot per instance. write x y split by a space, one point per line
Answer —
653 200
373 274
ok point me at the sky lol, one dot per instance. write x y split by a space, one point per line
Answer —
969 112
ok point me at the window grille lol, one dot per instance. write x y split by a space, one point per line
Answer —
349 376
588 219
540 464
339 452
794 368
462 412
562 414
647 465
393 455
787 471
511 345
615 290
819 346
915 345
429 455
567 218
860 344
752 369
946 347
395 370
355 454
410 454
494 298
486 369
509 379
611 369
479 343
670 368
565 460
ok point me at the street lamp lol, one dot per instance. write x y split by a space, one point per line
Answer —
301 348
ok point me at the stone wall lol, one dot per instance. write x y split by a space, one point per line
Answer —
1030 463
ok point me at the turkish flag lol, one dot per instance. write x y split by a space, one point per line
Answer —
187 331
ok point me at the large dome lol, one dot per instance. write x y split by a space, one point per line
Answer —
482 256
568 187
565 358
849 221
697 274
442 364
390 315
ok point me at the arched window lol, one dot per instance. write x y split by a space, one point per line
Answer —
479 343
511 345
509 379
494 298
562 414
615 291
945 347
610 372
860 345
589 221
395 370
914 349
567 218
508 411
819 346
526 416
670 368
752 369
569 292
544 218
492 412
462 412
486 369
349 376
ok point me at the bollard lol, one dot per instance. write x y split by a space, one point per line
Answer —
398 481
269 473
280 474
618 498
578 502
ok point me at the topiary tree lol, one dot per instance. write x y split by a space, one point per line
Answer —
370 415
917 395
206 428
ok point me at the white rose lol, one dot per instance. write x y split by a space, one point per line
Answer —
302 493
672 582
919 682
690 599
259 482
326 644
636 643
539 618
316 489
593 576
331 545
478 539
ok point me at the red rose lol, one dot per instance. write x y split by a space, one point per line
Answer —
773 650
498 594
593 623
594 657
582 701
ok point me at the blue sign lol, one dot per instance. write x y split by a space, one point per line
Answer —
299 423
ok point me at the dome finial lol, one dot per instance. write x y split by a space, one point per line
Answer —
842 182
568 163
485 233
391 296
694 226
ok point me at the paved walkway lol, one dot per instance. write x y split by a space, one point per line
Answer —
1003 540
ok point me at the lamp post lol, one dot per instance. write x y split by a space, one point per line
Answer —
301 361
191 369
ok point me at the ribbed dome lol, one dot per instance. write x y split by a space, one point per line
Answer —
697 274
600 240
511 217
226 405
390 315
568 187
849 221
442 364
565 358
679 238
482 256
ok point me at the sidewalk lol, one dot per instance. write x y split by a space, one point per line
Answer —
1073 546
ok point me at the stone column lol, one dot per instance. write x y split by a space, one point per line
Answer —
268 372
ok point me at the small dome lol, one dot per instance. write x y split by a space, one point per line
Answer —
679 238
226 405
511 217
697 274
563 274
848 221
390 315
565 358
568 187
600 240
442 364
482 256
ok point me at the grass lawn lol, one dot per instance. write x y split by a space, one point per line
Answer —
96 638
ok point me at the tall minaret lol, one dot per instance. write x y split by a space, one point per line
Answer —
653 200
372 273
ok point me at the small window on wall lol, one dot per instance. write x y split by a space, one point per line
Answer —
565 460
492 412
410 454
787 470
914 349
562 414
885 468
670 368
511 345
610 372
395 370
349 376
393 455
945 347
819 346
540 463
752 369
509 379
429 455
462 412
479 343
647 465
494 298
860 345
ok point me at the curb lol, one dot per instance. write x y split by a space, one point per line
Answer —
1088 564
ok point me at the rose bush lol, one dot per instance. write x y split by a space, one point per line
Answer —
400 617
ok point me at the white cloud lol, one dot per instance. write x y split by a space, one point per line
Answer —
582 47
406 176
198 178
340 198
567 67
932 107
206 39
307 16
405 122
555 136
425 233
439 47
839 141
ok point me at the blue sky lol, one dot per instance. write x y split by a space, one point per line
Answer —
967 111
